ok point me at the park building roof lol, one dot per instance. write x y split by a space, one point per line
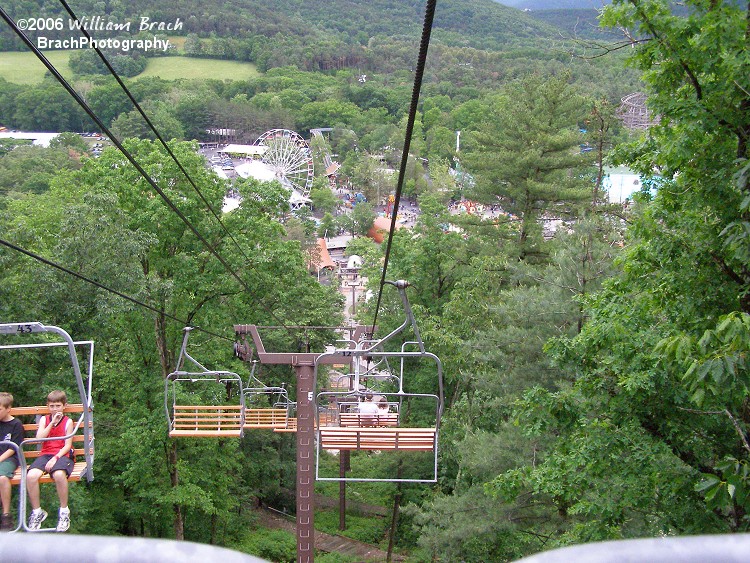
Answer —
255 169
332 169
323 258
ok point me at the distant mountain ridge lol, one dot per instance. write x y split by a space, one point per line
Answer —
483 24
475 44
554 4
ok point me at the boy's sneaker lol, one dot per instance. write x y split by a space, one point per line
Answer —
63 521
36 519
6 522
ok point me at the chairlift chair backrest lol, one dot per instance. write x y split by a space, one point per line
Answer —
276 412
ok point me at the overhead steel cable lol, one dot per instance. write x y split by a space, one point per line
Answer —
53 70
418 75
151 126
101 286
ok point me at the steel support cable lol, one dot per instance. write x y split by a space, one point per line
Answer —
102 286
127 155
152 127
419 73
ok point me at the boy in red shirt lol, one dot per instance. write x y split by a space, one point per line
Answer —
55 459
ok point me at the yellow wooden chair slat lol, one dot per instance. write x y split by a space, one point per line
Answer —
206 421
374 438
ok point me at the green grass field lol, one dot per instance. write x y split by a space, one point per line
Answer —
25 68
172 68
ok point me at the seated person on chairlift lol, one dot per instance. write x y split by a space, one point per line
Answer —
11 430
56 459
368 411
383 407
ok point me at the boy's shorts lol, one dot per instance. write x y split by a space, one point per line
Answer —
8 467
64 464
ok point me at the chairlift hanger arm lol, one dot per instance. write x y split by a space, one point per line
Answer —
401 285
184 353
251 379
37 327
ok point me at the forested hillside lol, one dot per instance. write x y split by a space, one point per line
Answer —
595 352
555 5
476 47
477 23
318 35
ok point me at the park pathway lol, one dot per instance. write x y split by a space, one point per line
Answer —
364 552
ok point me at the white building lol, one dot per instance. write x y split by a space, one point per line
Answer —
255 169
264 173
38 139
620 184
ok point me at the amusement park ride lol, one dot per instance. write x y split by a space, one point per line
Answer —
289 157
204 403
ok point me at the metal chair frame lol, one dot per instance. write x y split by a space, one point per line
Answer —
203 374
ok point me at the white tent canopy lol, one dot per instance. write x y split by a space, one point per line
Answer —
245 150
255 169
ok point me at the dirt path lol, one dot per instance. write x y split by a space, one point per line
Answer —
364 552
328 502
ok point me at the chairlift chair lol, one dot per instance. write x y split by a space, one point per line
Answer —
275 417
83 430
352 431
212 418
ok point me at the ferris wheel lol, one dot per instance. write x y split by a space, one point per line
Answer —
290 157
